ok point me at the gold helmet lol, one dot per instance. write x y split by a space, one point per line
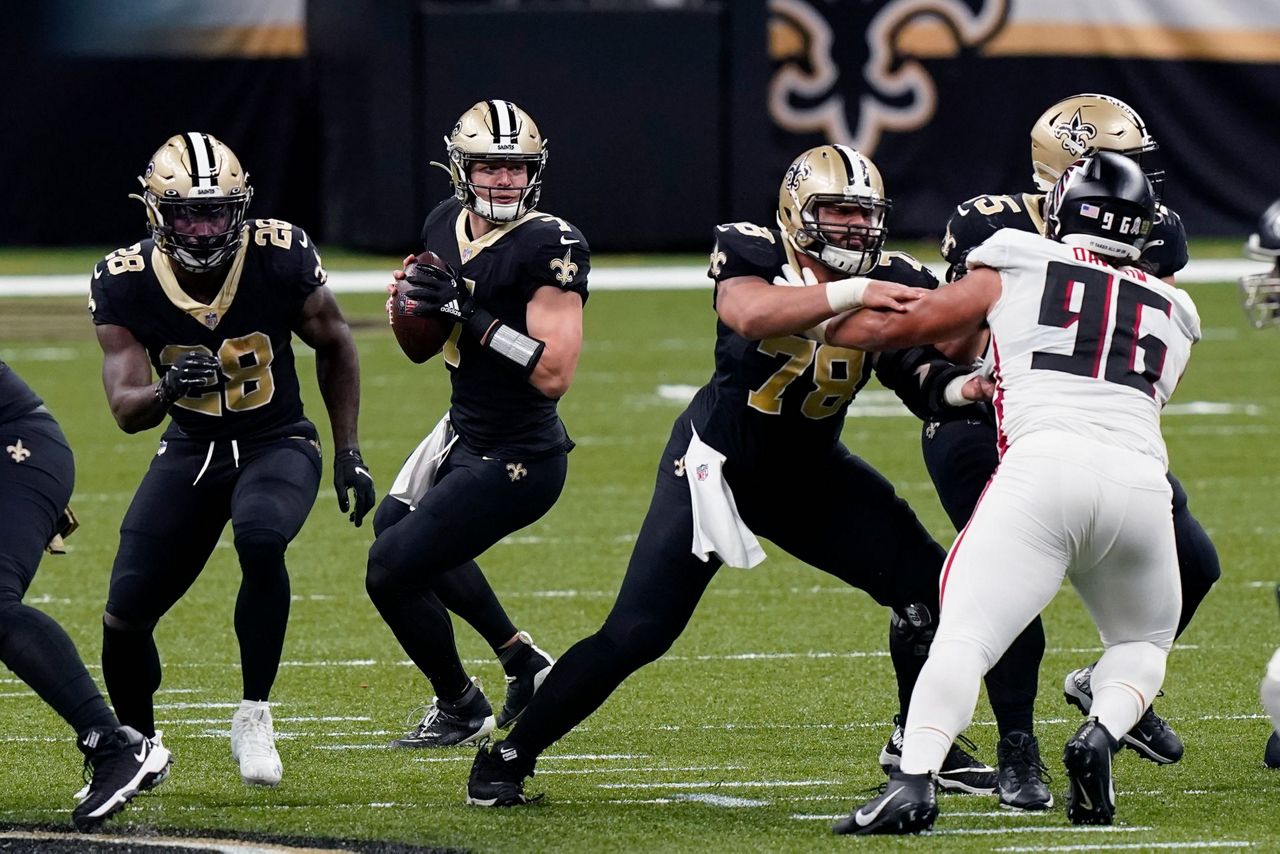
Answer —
196 195
495 131
834 175
1078 126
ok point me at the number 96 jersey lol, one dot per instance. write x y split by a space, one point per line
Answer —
1080 346
248 327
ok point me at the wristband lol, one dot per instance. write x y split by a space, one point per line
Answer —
953 394
846 294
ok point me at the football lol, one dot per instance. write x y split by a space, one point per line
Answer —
419 338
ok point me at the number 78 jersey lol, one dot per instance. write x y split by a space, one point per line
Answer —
1080 346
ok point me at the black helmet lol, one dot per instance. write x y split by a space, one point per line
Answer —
1103 203
1260 292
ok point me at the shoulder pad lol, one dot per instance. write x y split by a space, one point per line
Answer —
977 219
746 249
903 269
1165 252
545 228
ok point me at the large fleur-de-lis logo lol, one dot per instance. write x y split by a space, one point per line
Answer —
565 269
515 471
18 452
1075 134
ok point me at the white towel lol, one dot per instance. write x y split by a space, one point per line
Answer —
717 527
419 471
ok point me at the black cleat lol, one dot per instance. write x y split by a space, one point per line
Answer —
1272 756
908 804
118 762
961 771
447 724
497 776
1021 775
522 685
1151 737
1091 798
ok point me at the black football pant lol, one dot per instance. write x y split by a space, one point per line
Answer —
422 564
961 456
265 488
37 473
833 512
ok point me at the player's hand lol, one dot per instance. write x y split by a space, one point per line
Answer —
792 279
889 296
350 473
393 287
192 371
438 290
978 389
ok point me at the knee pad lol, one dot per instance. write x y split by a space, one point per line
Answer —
261 550
912 626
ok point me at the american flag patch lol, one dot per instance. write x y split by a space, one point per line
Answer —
1091 211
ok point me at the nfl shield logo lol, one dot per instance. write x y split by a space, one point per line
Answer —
703 471
211 319
466 254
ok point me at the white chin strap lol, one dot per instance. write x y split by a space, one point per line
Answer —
1103 246
856 263
496 212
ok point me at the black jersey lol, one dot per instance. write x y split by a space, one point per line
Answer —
494 409
786 397
248 327
16 397
1164 254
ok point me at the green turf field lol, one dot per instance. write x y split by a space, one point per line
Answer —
759 728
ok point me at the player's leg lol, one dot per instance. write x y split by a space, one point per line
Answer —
961 456
275 488
663 584
475 502
166 538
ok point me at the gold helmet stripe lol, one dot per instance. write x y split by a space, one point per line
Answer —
201 153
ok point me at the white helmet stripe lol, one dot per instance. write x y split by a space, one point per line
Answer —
850 157
503 117
201 159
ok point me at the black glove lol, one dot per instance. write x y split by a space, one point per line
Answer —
438 290
192 371
350 472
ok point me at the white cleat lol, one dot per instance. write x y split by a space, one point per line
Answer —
253 745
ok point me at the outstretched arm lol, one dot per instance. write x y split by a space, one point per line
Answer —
956 310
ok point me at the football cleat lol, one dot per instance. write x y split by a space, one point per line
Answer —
446 724
1021 776
1091 798
119 762
1151 737
497 776
523 685
960 772
253 745
907 804
1271 758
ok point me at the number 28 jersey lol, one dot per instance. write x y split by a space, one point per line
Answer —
248 327
1082 347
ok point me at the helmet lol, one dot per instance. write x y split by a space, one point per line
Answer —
196 195
1261 291
1102 203
834 175
495 131
1078 126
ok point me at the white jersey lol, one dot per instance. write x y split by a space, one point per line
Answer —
1080 346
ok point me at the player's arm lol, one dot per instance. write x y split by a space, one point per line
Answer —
947 313
322 326
136 402
554 317
757 310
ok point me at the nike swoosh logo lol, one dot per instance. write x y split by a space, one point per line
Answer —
566 241
1151 243
363 472
1084 799
97 272
142 753
863 819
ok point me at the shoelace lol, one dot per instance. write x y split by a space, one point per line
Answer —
1021 761
422 717
256 738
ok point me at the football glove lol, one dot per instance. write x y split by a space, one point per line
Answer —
192 371
350 473
438 290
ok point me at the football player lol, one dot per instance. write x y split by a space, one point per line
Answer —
209 304
1081 491
514 286
1260 292
766 425
1270 692
959 444
37 473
